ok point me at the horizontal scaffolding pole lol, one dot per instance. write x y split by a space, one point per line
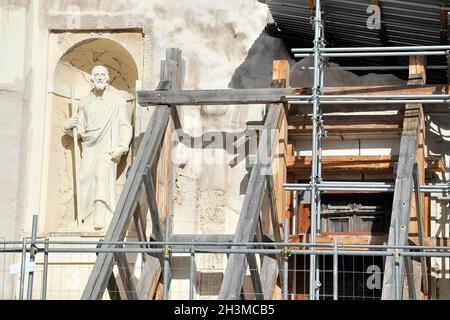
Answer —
141 244
375 96
349 186
374 54
388 250
405 101
372 49
373 68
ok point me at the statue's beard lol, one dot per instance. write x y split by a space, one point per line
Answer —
100 86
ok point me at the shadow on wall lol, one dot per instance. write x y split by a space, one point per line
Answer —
337 78
438 134
256 70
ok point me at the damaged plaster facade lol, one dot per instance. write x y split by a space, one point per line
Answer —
50 43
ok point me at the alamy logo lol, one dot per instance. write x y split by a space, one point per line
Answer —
374 21
374 280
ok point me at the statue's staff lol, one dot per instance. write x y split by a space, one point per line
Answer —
76 150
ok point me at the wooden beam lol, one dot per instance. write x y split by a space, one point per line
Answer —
113 288
420 225
276 193
409 270
214 97
301 124
125 275
356 164
269 275
256 279
234 275
139 226
153 207
401 206
270 95
148 281
202 237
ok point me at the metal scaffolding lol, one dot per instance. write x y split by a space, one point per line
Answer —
318 98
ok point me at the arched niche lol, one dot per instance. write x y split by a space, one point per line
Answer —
74 69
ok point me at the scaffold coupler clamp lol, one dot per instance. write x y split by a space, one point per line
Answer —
317 284
33 250
286 252
396 253
167 250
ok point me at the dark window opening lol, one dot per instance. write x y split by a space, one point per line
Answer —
359 212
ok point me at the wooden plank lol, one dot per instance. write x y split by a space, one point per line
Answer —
271 95
301 124
280 78
148 281
356 164
277 195
125 275
420 226
127 202
280 73
401 206
139 226
153 207
289 179
234 275
214 97
269 275
421 170
276 225
202 237
254 273
113 288
410 279
172 69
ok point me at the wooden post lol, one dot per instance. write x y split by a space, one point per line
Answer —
233 278
272 268
234 275
401 206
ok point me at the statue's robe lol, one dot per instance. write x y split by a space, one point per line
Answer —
104 124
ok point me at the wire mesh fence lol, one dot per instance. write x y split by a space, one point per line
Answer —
195 271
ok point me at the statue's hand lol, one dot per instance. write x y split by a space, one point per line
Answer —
71 123
118 153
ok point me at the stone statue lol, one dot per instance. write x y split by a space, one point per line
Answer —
104 127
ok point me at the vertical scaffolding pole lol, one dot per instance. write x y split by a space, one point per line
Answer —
166 260
335 271
45 272
22 268
33 251
192 272
286 260
315 146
